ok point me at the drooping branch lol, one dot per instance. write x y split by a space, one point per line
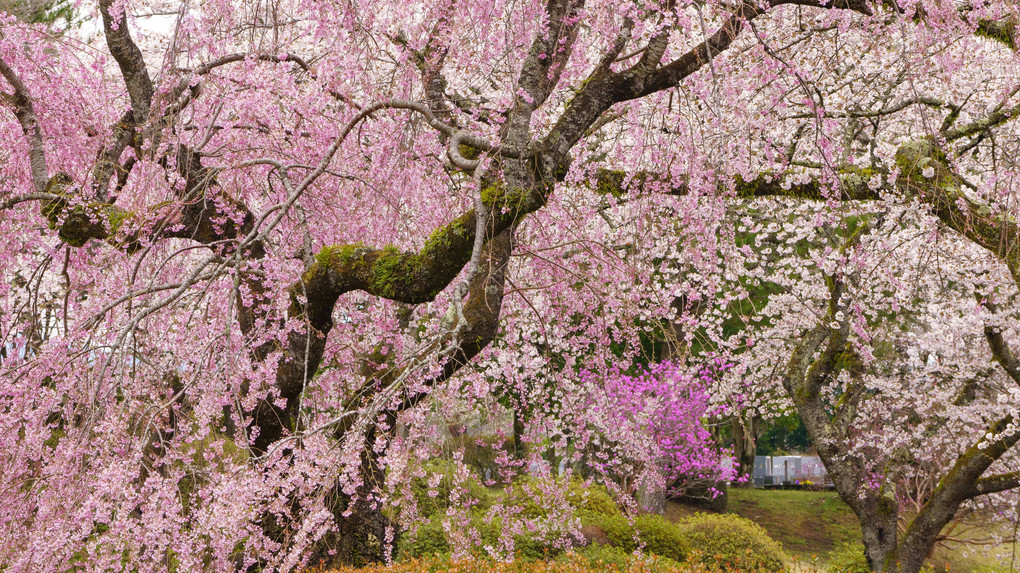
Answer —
463 341
889 110
924 173
412 277
27 198
1001 352
481 312
520 187
964 479
407 277
996 118
189 83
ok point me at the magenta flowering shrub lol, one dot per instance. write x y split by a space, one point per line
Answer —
658 416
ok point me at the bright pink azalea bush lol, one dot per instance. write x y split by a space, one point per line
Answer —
659 416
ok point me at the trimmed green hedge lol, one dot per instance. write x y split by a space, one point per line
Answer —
715 541
731 542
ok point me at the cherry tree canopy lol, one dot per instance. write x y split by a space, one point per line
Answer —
247 259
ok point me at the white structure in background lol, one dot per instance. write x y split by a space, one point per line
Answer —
778 470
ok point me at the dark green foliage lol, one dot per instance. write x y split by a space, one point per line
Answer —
787 434
40 11
428 540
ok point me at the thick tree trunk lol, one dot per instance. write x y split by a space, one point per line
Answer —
744 448
360 535
652 498
909 559
878 532
519 421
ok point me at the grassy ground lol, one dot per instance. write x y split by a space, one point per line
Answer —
810 525
969 557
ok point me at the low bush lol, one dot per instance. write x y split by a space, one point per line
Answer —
848 558
608 529
430 505
731 542
661 537
593 498
427 541
603 561
716 542
656 535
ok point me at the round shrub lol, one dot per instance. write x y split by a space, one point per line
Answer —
614 529
594 498
657 535
731 542
661 537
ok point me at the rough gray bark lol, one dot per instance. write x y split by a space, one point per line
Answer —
822 354
745 433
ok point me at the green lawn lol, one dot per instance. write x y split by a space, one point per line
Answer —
809 525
